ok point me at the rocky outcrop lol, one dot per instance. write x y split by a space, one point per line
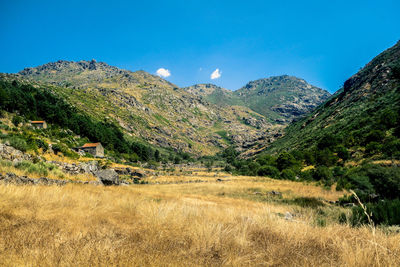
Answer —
11 178
7 152
91 167
108 177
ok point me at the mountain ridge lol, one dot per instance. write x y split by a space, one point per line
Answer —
279 98
150 108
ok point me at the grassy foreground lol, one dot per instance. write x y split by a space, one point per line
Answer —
184 224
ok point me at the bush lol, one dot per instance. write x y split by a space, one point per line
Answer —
228 168
307 202
270 171
385 180
267 160
306 175
328 141
36 168
386 212
286 161
309 157
322 173
16 120
288 174
374 136
391 148
388 118
18 143
372 148
326 157
342 152
42 144
65 150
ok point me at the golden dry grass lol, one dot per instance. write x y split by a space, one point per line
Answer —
177 225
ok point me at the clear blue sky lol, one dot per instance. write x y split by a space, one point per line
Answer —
323 42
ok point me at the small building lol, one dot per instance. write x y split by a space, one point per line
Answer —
39 124
96 149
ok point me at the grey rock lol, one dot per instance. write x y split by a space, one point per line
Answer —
108 177
288 216
90 167
12 178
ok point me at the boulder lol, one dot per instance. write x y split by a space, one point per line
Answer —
108 177
90 167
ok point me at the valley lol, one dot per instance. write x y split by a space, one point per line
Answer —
105 166
232 222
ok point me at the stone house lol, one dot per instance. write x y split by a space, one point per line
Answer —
39 124
96 149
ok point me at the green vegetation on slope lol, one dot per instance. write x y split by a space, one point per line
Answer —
38 103
352 140
279 99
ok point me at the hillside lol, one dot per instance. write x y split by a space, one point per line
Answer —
369 101
215 94
149 108
280 98
351 142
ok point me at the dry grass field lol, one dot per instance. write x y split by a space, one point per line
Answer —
204 223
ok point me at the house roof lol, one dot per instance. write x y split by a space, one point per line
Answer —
90 145
37 121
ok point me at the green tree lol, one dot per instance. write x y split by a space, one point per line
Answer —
286 161
270 171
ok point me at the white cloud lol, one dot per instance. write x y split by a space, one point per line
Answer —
163 72
216 74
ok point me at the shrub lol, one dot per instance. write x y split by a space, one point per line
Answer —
391 148
322 173
228 168
307 202
328 141
342 218
326 157
16 120
309 157
286 161
18 143
40 168
374 136
372 148
65 150
5 163
267 160
385 180
288 174
386 212
307 175
342 152
270 171
42 144
388 118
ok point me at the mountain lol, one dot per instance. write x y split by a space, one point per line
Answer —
150 108
215 94
365 110
280 98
